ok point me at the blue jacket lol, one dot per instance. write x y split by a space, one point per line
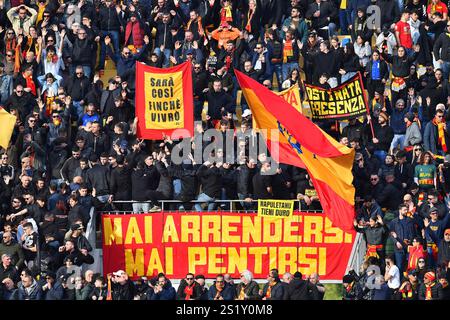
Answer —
35 293
397 121
405 230
124 65
56 292
168 293
430 137
268 69
227 292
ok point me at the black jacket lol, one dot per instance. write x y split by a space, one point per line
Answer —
444 252
98 178
389 11
165 185
299 289
67 171
276 293
441 48
82 51
244 177
196 294
217 101
121 183
271 11
327 10
390 197
77 88
200 83
98 143
141 180
108 19
384 135
210 180
251 290
123 292
436 292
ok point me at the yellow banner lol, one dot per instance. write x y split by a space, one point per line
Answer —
275 208
164 100
291 96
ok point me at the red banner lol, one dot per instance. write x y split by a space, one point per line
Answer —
210 243
164 101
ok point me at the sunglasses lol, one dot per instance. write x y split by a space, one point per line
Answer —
373 179
126 53
189 279
19 91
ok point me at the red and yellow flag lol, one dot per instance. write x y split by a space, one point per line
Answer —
328 162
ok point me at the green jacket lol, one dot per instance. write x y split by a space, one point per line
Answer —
301 31
15 251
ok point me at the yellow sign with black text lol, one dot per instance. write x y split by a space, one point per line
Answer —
343 102
275 208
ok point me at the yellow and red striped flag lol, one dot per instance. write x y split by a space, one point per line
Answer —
328 162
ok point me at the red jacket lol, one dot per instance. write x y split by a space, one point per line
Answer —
138 33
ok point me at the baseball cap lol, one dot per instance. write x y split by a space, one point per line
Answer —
246 113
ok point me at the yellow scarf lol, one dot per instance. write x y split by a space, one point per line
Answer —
226 16
40 15
269 289
241 294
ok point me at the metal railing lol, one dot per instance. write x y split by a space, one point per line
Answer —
231 205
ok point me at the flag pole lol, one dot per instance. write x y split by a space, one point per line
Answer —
366 102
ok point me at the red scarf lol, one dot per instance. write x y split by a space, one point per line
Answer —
441 134
189 291
414 255
288 50
428 295
229 60
31 84
10 44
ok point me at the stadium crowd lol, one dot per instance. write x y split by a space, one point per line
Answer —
74 145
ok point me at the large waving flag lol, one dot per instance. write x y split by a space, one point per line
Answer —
7 122
328 162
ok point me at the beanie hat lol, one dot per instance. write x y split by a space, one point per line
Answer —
430 276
